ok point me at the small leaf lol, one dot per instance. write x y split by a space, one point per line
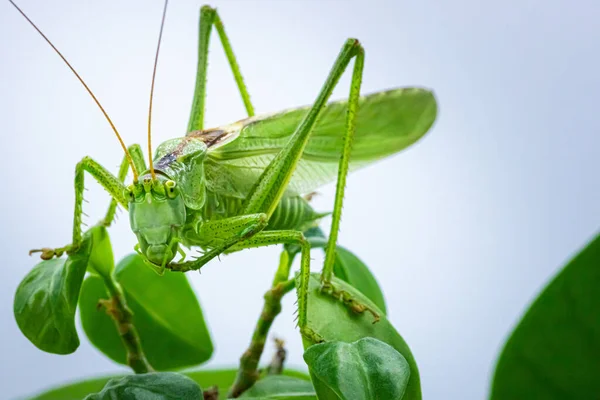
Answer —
554 352
101 260
152 386
222 378
281 387
330 320
367 369
167 316
351 269
46 300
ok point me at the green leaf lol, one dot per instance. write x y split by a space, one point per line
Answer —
330 320
151 386
554 352
351 269
167 316
222 378
74 390
281 387
102 261
46 300
367 369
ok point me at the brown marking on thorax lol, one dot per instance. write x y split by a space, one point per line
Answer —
210 137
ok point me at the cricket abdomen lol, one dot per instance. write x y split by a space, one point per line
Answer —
292 212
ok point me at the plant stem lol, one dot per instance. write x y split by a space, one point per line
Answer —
248 372
116 308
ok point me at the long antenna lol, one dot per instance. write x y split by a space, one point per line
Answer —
129 159
162 24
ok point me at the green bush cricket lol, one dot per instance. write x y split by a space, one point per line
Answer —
243 185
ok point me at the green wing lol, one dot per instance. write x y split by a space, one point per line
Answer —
387 122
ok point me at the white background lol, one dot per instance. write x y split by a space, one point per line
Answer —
461 230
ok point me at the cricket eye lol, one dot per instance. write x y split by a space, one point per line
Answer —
129 194
170 187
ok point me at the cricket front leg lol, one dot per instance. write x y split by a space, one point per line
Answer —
111 183
220 235
267 238
140 165
208 18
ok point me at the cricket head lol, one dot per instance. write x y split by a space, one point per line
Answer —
157 215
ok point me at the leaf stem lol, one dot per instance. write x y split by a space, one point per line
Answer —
248 372
116 307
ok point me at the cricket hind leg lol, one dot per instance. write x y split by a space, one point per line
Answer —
115 187
208 18
269 189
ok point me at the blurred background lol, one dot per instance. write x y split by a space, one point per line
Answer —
461 230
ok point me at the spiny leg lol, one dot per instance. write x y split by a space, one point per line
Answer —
268 190
111 183
348 138
108 181
208 18
220 235
267 238
140 165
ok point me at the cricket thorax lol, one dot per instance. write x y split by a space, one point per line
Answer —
182 159
157 213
